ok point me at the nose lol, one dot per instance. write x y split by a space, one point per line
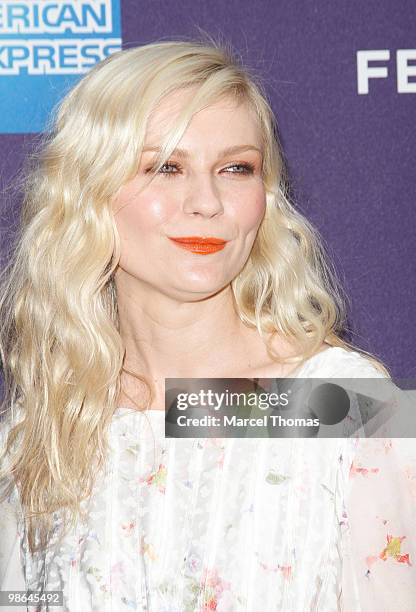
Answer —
203 196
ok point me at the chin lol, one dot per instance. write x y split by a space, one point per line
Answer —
199 290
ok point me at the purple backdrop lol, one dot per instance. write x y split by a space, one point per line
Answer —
351 157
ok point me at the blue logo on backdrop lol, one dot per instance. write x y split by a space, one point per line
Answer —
44 46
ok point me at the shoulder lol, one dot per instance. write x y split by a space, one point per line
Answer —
339 362
8 420
6 425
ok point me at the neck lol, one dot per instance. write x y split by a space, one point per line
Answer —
167 338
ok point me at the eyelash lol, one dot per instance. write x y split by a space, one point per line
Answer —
248 169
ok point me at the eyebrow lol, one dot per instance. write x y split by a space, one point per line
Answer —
228 151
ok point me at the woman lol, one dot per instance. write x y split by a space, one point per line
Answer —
158 241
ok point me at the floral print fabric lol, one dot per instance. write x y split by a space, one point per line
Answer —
259 525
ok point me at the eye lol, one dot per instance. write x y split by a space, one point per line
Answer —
167 169
245 168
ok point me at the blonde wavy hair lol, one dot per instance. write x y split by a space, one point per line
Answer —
61 349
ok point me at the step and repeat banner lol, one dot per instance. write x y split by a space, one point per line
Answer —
341 78
45 46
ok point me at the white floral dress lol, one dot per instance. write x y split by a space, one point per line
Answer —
254 525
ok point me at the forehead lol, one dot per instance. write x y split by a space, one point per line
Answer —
226 119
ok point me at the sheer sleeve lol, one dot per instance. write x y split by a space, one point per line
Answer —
379 527
11 573
11 570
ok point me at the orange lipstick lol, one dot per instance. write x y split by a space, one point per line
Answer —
199 245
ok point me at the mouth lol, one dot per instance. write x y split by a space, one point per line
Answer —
199 245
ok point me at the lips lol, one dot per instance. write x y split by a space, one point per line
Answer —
200 245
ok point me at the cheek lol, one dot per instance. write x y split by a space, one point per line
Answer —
135 214
249 210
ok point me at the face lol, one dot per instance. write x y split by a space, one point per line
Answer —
209 194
